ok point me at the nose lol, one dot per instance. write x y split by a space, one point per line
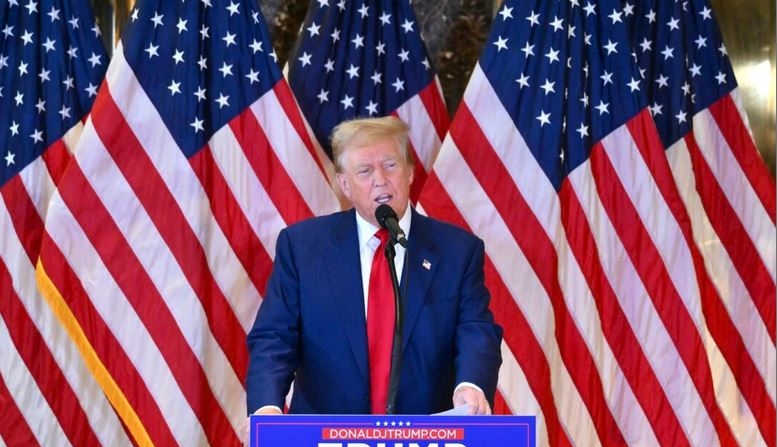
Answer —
379 177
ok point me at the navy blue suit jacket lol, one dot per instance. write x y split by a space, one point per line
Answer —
311 327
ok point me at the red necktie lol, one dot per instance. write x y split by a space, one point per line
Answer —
380 325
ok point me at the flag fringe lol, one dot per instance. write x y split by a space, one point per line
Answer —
109 386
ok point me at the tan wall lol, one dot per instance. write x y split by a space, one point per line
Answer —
748 28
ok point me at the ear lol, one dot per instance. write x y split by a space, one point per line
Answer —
345 186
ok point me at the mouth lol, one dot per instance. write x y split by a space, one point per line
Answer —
383 198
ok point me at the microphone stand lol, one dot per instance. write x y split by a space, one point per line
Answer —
396 351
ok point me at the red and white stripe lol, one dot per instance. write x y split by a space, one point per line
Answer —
47 392
161 258
428 119
730 198
602 293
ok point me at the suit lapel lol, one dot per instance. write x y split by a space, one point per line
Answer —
419 270
344 268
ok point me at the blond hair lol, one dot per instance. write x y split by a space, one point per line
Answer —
365 131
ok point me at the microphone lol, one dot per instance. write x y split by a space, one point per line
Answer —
388 219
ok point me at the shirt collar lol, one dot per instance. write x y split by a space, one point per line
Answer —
366 230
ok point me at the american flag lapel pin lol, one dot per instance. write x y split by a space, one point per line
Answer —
427 265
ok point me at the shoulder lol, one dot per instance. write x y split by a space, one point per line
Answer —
313 225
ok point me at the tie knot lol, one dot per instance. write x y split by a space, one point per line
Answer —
383 235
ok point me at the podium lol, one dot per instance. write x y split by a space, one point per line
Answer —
391 431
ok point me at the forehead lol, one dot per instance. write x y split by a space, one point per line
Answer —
372 152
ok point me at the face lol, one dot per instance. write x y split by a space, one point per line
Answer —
373 175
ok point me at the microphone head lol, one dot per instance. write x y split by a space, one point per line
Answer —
383 212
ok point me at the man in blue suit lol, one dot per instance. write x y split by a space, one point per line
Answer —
311 328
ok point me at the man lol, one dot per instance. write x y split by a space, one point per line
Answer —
312 328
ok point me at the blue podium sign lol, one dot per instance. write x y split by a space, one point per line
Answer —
391 431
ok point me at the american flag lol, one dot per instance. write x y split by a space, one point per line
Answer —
362 58
726 187
161 235
51 62
554 160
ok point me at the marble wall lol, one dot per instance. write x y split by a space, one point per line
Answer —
455 32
